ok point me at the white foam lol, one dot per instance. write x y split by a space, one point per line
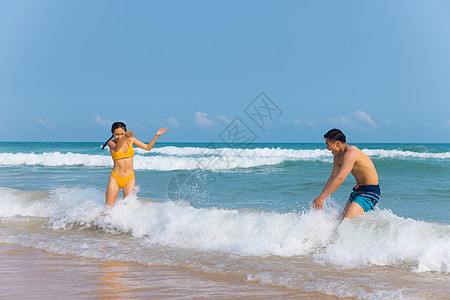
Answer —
382 238
54 159
302 154
171 158
190 158
15 203
339 287
75 206
245 233
380 153
63 206
377 238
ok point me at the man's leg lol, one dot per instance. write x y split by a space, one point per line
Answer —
345 208
351 210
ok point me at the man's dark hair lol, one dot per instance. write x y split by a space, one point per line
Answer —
335 135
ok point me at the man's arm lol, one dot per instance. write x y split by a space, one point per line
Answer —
338 176
333 175
318 202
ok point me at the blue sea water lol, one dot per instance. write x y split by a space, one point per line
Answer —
414 178
228 208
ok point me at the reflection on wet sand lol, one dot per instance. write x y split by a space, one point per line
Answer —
28 273
113 281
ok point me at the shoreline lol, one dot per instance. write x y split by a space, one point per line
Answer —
29 273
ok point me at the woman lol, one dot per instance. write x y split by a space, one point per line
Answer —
122 152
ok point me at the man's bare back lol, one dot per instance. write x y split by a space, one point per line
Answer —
349 159
363 169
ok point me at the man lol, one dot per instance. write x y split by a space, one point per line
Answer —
350 159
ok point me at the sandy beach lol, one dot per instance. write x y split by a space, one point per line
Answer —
28 273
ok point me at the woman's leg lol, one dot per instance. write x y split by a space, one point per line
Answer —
112 191
129 187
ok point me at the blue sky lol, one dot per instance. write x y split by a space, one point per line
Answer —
379 70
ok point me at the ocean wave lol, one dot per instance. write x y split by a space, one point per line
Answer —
378 238
382 238
54 159
190 158
381 153
291 154
172 158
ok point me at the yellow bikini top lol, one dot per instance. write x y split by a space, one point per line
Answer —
118 155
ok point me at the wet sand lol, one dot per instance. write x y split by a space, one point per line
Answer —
28 273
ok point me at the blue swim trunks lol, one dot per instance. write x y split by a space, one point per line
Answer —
366 195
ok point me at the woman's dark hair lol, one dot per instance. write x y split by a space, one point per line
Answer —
114 126
335 135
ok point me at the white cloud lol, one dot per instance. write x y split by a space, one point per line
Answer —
366 118
297 122
310 123
202 120
172 122
224 119
395 123
341 121
358 119
101 121
155 121
46 123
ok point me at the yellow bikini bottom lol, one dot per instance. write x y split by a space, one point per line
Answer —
121 180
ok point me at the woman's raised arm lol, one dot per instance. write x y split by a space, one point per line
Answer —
150 145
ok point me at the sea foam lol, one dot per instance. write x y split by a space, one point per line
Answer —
377 238
189 158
